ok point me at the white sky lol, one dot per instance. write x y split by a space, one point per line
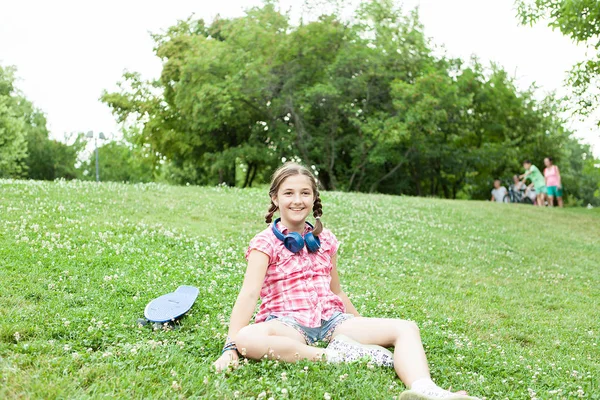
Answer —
67 52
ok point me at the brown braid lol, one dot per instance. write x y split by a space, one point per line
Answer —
269 216
317 213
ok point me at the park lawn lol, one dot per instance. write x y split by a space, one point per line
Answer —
506 296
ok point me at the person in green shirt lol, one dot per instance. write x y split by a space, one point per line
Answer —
537 180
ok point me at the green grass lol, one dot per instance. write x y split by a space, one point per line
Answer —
507 297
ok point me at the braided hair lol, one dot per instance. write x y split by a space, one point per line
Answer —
289 169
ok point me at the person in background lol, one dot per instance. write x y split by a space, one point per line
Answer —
537 180
517 190
520 192
499 192
553 182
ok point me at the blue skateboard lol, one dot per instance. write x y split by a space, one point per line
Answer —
169 307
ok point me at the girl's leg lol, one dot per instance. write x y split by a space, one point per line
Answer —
277 341
410 361
560 201
551 201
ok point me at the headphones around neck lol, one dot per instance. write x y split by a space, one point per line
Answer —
294 241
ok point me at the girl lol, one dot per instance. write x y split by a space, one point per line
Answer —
553 182
537 181
292 267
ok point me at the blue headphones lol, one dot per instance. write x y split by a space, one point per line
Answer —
294 241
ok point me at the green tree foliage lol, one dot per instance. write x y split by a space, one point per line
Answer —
48 159
119 161
364 100
25 148
13 149
579 20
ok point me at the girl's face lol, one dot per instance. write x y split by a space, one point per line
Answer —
295 199
547 162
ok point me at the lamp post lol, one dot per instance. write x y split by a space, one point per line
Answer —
90 135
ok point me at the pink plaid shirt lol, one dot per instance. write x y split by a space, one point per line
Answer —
297 285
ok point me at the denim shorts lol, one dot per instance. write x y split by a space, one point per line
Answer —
313 335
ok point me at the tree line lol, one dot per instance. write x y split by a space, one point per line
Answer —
366 101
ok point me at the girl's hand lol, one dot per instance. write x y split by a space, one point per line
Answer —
228 358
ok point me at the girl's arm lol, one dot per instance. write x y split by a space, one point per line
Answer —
559 178
246 300
245 304
337 288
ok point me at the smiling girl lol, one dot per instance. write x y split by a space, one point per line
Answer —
292 267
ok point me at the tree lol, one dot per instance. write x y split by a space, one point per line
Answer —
13 149
364 101
47 159
120 161
25 147
579 20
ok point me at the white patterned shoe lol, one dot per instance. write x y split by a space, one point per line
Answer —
350 350
433 395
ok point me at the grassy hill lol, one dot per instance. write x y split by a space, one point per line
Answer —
506 296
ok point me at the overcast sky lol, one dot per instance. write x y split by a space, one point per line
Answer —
67 52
